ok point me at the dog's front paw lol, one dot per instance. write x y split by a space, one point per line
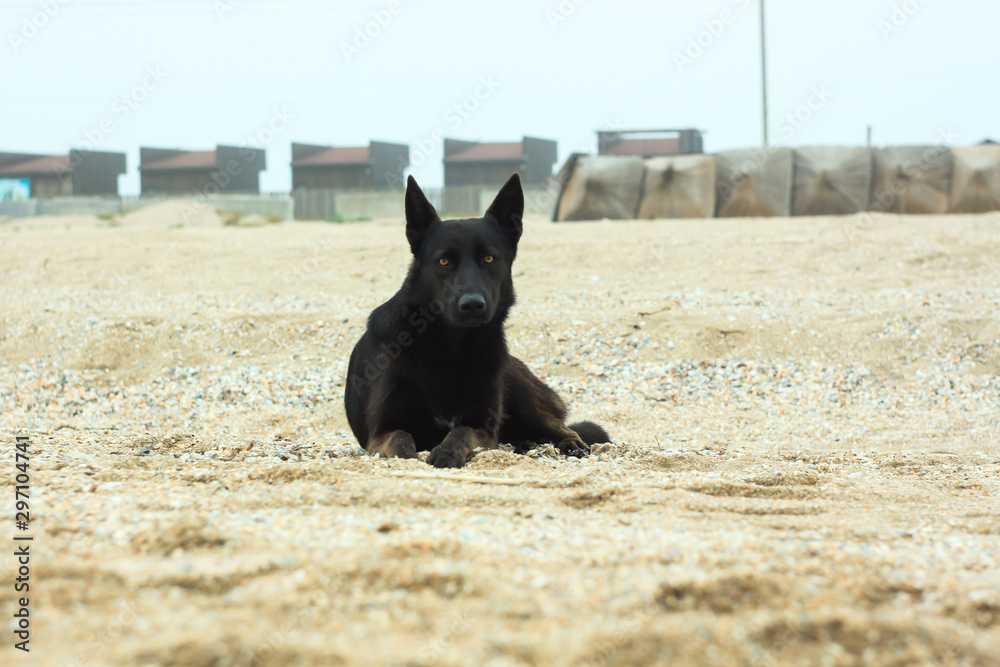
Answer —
396 444
574 447
444 456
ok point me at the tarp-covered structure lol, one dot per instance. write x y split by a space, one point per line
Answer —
753 183
911 179
831 180
825 180
681 186
975 181
602 186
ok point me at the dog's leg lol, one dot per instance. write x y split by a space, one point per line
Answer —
567 440
459 445
547 427
397 444
536 414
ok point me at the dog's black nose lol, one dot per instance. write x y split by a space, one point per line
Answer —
472 303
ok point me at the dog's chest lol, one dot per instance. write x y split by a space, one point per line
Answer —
446 423
452 395
455 378
449 402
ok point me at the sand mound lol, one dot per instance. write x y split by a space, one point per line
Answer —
173 213
804 468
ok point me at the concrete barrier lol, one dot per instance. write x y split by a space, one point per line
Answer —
265 205
975 181
831 180
678 186
461 201
603 186
334 205
24 208
911 179
455 201
753 182
369 205
78 206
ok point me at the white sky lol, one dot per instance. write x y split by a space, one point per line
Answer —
229 65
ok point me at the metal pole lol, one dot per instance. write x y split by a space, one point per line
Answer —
763 71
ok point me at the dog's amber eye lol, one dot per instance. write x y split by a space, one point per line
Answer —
444 261
488 259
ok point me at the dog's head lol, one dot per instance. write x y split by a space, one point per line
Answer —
461 268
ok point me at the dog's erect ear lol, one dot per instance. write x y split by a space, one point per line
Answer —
508 210
420 214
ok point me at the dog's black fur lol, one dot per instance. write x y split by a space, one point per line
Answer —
432 371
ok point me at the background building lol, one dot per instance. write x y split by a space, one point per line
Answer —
649 143
79 173
472 163
378 166
225 169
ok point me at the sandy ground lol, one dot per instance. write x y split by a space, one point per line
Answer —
805 468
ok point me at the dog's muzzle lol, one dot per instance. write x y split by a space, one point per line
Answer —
472 310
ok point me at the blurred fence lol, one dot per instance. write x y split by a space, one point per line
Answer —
271 205
825 180
302 204
314 204
450 201
18 208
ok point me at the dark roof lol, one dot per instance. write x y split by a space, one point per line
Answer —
38 164
188 160
497 152
332 156
644 147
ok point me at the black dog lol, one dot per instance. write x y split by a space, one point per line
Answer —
432 371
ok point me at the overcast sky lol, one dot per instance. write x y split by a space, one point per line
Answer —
194 73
